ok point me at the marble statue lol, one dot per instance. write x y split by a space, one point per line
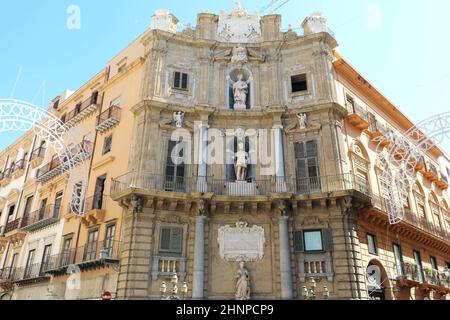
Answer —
302 121
243 282
241 161
178 118
240 92
239 55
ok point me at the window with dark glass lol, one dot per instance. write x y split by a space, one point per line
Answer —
109 238
11 212
299 83
171 241
42 209
372 244
12 269
180 80
398 259
107 144
307 166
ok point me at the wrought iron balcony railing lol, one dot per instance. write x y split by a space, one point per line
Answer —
40 218
83 109
250 187
92 254
108 118
12 225
38 153
73 154
413 219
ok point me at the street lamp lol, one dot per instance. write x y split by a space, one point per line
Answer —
310 294
174 291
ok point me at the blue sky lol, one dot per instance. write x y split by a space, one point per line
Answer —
401 46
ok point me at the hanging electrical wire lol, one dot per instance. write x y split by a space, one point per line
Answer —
273 5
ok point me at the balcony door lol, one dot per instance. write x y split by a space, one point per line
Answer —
90 252
42 209
99 193
57 208
65 255
45 264
418 261
109 239
27 211
175 167
307 167
29 265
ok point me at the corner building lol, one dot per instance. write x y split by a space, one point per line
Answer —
236 142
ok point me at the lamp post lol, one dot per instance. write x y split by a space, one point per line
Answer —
310 294
173 295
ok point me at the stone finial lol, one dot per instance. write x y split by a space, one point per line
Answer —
315 23
164 20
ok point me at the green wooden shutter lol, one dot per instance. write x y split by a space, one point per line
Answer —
327 235
298 241
177 80
164 244
176 240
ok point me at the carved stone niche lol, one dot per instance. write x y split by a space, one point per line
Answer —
241 243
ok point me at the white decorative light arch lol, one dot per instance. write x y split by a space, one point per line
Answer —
404 154
21 116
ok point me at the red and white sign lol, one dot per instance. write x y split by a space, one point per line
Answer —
106 296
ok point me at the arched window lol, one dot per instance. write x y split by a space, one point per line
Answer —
419 196
435 211
361 164
445 214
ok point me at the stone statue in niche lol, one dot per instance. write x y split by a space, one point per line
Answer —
242 275
241 161
239 55
302 121
240 92
178 118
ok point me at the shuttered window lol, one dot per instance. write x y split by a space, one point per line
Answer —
313 240
307 167
175 166
171 241
180 80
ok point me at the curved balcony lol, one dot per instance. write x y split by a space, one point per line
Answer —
133 181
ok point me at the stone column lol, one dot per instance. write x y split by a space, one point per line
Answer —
202 157
285 260
279 155
199 259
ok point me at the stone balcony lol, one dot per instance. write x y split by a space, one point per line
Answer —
164 266
357 115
